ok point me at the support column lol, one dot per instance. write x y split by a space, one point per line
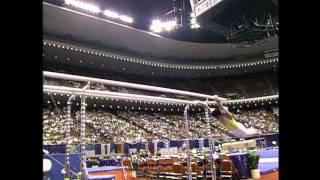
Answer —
186 141
211 144
83 138
68 138
83 165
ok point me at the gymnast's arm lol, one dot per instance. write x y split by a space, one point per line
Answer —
228 116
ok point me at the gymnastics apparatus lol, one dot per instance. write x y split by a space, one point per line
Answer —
85 92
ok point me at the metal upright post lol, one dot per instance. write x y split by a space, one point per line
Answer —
83 166
175 10
211 144
82 138
186 130
68 138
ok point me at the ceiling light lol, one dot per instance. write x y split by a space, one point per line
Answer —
111 14
126 19
86 6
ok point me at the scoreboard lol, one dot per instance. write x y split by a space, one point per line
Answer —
201 6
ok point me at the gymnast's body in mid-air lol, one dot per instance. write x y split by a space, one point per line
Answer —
226 117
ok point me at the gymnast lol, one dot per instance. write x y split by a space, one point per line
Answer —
225 116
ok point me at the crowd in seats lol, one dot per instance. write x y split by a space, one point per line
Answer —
163 126
104 127
260 119
113 128
276 111
53 127
217 129
100 127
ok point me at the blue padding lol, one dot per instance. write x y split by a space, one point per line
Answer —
102 177
55 149
268 153
107 162
126 148
194 143
206 143
160 145
55 172
268 167
98 149
176 143
112 147
105 168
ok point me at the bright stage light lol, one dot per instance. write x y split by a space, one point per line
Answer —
195 26
158 26
115 15
168 26
156 21
193 21
86 6
126 19
111 14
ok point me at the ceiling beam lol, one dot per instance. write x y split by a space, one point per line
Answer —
276 2
240 86
269 84
218 28
214 89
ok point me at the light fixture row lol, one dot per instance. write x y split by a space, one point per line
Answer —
161 65
245 102
96 9
159 109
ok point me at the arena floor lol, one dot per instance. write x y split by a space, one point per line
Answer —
271 176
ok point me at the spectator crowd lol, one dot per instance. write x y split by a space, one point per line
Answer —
104 127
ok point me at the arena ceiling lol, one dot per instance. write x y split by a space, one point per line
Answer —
66 23
71 57
228 21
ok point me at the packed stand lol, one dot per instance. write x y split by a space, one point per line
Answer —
262 120
53 127
104 127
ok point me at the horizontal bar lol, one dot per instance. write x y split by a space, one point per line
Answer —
88 94
253 99
125 84
125 96
78 91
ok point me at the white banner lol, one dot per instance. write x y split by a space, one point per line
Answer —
204 6
132 150
169 151
90 152
102 148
